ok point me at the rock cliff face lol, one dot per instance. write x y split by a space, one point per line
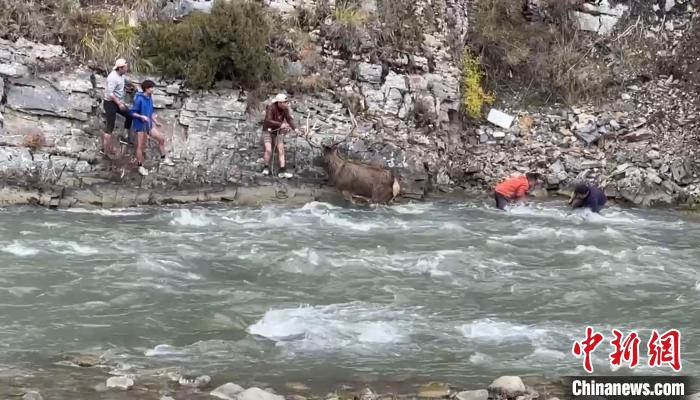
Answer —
640 147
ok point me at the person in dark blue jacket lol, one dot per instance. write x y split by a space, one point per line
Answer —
588 196
145 123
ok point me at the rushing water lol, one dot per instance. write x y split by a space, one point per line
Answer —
326 295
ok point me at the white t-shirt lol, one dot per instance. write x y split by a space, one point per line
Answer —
115 86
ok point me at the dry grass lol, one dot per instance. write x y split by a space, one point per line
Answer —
550 57
34 139
100 38
38 20
309 84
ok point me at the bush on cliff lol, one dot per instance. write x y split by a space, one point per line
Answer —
229 43
37 20
547 55
473 95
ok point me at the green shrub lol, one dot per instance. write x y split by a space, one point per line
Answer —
473 95
230 43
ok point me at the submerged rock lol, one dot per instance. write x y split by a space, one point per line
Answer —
481 394
227 391
434 390
32 395
194 381
510 386
120 382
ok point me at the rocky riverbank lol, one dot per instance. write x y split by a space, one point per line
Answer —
83 376
640 146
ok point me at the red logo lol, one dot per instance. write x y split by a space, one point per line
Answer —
664 349
627 350
586 347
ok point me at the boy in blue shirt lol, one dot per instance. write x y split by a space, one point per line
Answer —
588 196
144 121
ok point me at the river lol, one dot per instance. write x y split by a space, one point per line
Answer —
392 296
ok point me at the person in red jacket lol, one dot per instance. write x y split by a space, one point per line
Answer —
514 189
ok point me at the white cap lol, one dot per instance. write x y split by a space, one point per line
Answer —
280 98
120 63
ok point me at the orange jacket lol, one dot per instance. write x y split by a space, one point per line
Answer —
513 188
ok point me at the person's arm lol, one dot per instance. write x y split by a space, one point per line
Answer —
289 119
110 89
521 192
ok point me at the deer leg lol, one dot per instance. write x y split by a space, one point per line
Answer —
347 196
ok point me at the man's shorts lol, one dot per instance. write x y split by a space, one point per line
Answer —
111 111
269 137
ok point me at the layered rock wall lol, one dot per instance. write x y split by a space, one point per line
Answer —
641 147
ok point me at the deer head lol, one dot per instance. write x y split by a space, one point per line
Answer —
327 148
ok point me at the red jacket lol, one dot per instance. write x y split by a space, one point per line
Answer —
514 188
275 116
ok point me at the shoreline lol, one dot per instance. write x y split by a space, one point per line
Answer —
272 191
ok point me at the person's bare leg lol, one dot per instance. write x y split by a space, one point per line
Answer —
140 147
280 150
107 143
160 139
267 154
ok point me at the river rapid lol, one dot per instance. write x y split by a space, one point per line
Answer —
388 296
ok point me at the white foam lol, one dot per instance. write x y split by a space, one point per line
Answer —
165 350
580 249
318 205
20 250
117 212
73 248
186 217
411 208
336 327
491 331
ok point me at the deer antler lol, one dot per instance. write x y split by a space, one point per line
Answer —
352 131
307 132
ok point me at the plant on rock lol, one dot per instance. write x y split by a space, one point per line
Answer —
229 43
473 95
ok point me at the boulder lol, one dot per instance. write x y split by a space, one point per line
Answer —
371 73
255 393
510 386
32 395
227 391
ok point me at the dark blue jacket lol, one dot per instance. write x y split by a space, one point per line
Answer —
143 105
595 200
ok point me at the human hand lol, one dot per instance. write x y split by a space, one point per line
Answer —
122 106
144 118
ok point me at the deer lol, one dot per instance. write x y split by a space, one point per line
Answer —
372 183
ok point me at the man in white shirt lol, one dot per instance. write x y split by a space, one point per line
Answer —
113 103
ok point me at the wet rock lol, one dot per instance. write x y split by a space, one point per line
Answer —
510 386
227 391
255 393
434 390
473 395
32 395
194 381
84 360
297 387
368 394
119 382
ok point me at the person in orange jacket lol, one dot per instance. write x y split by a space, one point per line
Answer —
514 188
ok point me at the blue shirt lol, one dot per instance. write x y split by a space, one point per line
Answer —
143 105
594 201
